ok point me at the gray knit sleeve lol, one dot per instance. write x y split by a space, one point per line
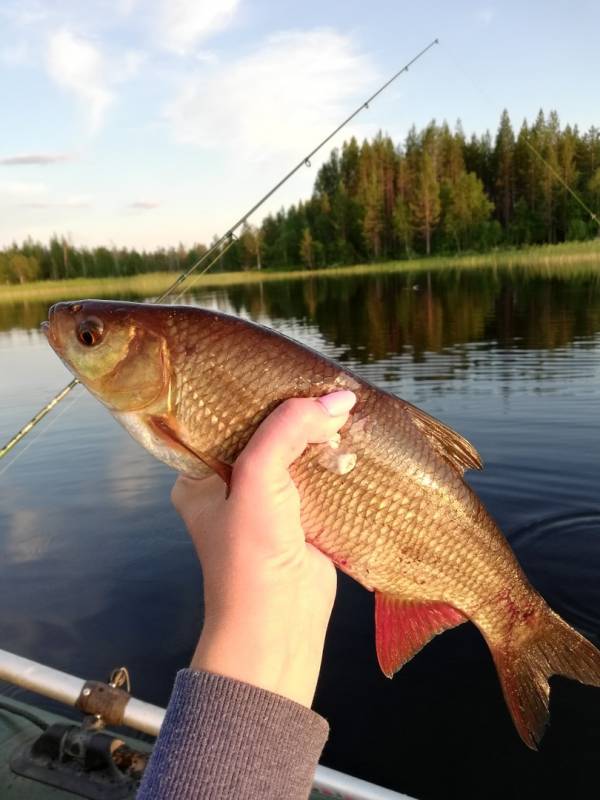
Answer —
223 739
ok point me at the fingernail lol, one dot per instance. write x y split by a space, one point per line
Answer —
338 403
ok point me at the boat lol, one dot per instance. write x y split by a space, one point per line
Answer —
45 755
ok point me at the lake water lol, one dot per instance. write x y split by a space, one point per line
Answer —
96 570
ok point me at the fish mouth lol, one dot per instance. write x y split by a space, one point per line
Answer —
49 329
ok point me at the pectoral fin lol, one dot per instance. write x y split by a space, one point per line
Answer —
163 428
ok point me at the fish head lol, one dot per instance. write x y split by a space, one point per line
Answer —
116 349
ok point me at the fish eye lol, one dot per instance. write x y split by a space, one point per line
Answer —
89 332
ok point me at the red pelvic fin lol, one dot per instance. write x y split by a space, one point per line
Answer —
403 627
163 428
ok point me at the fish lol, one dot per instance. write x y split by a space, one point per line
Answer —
386 501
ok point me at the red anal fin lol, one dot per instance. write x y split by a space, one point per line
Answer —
162 427
403 627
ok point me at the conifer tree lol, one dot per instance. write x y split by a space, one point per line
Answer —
504 169
467 210
594 190
403 229
425 204
307 249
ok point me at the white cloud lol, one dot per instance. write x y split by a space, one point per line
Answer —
206 56
281 98
25 194
125 7
16 55
25 14
74 201
77 201
38 159
184 22
78 66
144 205
22 190
129 65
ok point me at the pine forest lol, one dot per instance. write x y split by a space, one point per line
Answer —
438 192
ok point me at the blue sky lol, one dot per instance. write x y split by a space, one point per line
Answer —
152 122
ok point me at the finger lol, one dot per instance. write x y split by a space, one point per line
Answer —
285 434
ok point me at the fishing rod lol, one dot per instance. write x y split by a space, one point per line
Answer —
224 242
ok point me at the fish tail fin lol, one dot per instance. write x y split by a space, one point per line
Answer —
551 647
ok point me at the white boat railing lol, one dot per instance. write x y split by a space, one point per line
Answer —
148 718
67 689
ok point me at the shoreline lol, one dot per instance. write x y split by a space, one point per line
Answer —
541 259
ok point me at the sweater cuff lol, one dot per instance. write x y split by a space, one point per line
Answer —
222 738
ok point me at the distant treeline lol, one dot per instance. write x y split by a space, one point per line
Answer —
436 193
32 261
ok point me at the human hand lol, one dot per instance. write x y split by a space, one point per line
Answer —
268 594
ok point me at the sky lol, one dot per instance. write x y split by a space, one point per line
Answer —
149 123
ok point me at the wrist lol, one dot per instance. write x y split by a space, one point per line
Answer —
271 649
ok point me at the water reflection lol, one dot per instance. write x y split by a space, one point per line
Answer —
371 317
427 312
96 569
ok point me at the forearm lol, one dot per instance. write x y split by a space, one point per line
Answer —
225 739
272 638
241 725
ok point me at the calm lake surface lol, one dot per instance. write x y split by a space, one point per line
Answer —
96 570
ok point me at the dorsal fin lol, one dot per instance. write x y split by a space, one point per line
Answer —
456 450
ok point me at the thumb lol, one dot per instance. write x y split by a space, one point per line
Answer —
285 433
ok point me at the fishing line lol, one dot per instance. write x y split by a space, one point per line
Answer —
594 217
21 434
222 252
227 239
563 182
42 431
